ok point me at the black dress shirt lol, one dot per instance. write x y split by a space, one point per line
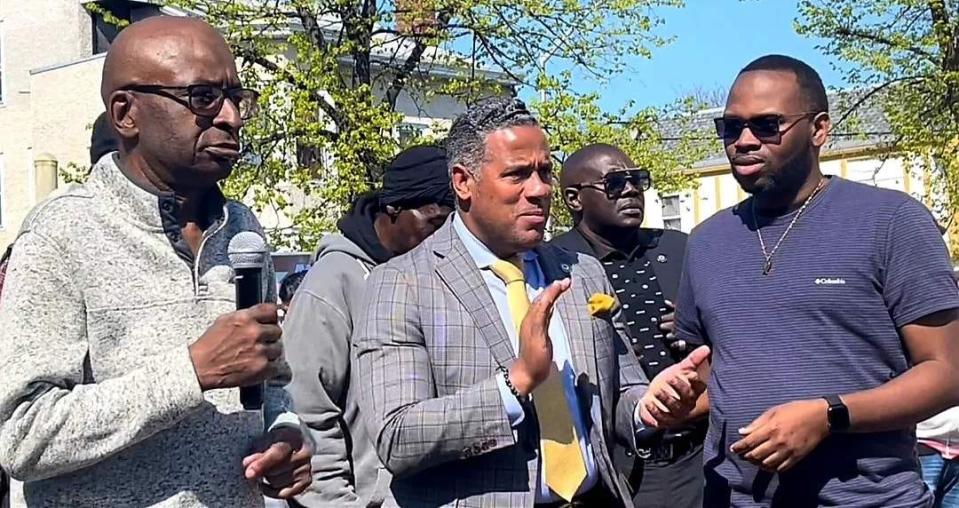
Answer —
643 280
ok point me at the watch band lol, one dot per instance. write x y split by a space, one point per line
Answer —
837 414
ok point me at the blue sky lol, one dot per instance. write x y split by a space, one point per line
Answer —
713 40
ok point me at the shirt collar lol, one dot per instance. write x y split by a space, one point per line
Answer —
482 256
155 209
601 252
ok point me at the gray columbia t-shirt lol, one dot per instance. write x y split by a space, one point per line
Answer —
858 265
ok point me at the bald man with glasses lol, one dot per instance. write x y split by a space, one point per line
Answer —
121 350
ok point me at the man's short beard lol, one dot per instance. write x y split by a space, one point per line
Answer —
780 186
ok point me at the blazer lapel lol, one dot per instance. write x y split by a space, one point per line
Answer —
459 272
557 265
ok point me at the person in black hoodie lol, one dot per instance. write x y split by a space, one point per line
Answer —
415 200
102 139
604 192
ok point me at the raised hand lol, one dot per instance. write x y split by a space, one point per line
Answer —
535 358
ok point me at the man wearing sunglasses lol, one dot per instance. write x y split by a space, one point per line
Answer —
831 309
603 190
121 350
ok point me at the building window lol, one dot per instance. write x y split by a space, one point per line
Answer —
672 214
310 156
407 132
106 13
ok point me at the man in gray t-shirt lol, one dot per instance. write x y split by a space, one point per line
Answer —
830 309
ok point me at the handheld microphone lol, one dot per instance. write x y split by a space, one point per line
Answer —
247 252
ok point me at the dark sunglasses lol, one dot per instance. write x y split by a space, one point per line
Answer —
614 182
766 128
205 100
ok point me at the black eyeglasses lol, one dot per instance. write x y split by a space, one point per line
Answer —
614 182
766 128
205 100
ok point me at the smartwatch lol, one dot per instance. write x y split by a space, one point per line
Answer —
837 414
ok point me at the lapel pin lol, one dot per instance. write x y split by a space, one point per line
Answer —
661 258
565 267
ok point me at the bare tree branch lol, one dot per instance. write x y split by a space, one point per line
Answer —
851 33
288 77
868 95
413 61
313 31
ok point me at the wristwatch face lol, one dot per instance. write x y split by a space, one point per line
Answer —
838 415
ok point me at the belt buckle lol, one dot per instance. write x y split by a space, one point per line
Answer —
669 451
663 452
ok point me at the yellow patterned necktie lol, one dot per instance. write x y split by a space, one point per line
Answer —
563 463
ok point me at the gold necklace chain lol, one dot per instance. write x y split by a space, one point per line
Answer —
768 263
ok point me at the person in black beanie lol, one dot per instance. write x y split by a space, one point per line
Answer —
414 201
102 140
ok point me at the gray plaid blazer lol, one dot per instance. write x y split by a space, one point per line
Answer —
428 351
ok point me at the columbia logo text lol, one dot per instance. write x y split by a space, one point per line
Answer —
830 281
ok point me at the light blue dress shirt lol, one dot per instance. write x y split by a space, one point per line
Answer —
562 357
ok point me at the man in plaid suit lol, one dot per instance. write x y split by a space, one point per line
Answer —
476 396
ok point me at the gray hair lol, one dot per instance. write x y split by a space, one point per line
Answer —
466 143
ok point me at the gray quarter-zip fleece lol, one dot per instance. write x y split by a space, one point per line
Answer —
99 401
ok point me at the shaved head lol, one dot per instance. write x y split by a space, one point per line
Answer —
582 181
153 50
588 163
165 138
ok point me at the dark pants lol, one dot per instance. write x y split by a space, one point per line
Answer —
674 484
677 484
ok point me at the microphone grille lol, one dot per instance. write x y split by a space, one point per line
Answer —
247 250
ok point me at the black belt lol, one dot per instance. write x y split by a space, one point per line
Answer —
667 451
673 445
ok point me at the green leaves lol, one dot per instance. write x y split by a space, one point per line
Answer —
341 80
908 52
